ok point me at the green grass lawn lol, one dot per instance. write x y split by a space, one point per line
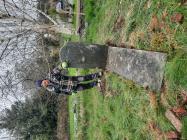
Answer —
71 117
126 112
184 132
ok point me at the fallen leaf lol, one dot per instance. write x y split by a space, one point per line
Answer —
171 135
110 42
177 18
164 15
155 130
153 99
119 23
179 111
154 23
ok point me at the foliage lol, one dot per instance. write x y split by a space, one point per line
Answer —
89 9
32 118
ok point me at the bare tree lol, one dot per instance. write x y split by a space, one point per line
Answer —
21 46
26 15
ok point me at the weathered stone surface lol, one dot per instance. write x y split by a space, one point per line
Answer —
143 67
82 55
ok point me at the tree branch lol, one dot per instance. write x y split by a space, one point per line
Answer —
1 56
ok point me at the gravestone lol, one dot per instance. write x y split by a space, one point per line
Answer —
143 67
82 55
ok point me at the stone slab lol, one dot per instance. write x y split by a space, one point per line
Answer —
143 67
82 55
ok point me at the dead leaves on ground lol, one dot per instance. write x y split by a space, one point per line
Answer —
153 100
172 135
163 97
180 111
155 130
157 40
119 23
157 24
160 135
162 32
154 23
111 43
177 18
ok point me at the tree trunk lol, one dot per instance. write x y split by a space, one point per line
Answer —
24 24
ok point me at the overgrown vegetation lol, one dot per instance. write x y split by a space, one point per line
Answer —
33 118
176 71
89 8
127 111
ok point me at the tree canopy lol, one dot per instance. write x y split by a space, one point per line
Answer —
32 118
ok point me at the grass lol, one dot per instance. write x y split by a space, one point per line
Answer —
89 8
126 115
71 119
126 111
74 15
184 128
68 38
176 71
